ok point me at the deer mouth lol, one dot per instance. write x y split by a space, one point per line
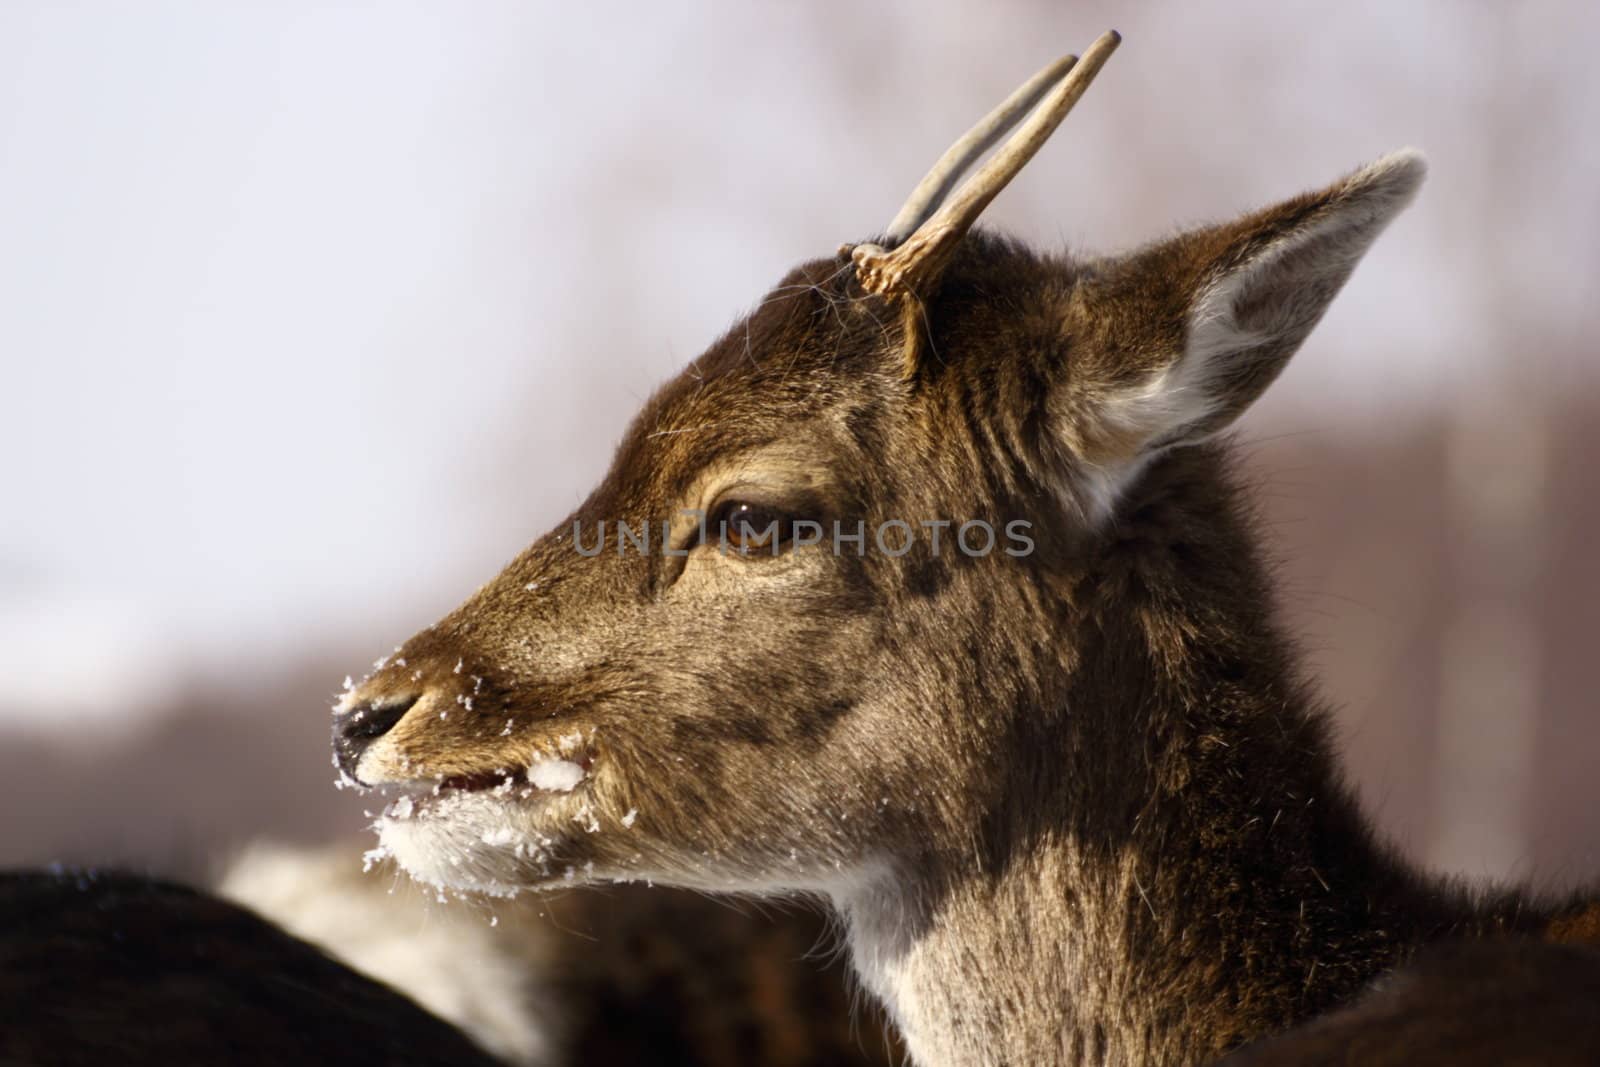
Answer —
494 832
546 776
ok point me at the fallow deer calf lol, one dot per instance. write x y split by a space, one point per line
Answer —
1065 786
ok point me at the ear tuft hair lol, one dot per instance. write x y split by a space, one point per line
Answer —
1396 177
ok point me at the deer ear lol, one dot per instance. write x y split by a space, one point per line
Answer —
1179 338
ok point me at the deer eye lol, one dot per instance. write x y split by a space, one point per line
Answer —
749 528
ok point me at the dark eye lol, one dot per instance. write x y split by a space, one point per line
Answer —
748 528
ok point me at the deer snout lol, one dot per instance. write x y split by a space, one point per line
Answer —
355 729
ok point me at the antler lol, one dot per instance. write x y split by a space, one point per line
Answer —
938 182
918 258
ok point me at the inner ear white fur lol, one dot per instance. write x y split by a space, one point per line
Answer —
1286 284
1179 396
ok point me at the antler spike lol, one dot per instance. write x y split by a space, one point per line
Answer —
937 183
919 258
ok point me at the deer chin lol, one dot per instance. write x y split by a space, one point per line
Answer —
494 833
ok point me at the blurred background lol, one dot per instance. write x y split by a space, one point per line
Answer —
311 316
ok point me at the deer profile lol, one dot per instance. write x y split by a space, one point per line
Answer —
927 590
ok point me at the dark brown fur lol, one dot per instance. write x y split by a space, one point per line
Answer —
1466 1004
668 978
101 967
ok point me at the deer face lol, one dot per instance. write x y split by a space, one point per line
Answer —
738 667
800 631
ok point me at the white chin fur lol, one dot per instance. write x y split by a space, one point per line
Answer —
474 842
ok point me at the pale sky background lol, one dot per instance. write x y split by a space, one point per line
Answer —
313 315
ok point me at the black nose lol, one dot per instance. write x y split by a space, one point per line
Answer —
357 728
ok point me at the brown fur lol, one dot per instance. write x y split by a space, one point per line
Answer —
603 978
1487 1004
664 977
1076 806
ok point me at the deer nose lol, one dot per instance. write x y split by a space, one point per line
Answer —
356 729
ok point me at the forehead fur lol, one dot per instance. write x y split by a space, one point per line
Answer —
819 361
811 346
817 337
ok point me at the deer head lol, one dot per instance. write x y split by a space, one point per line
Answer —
844 558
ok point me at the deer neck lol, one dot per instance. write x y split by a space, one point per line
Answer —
1169 865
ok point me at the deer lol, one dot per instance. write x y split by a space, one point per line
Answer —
1459 1002
543 981
104 966
1066 788
293 954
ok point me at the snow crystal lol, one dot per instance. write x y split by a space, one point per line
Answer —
499 837
555 775
374 856
627 820
349 683
458 665
401 809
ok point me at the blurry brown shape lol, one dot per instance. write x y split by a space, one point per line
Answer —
669 977
622 975
104 967
1481 1004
